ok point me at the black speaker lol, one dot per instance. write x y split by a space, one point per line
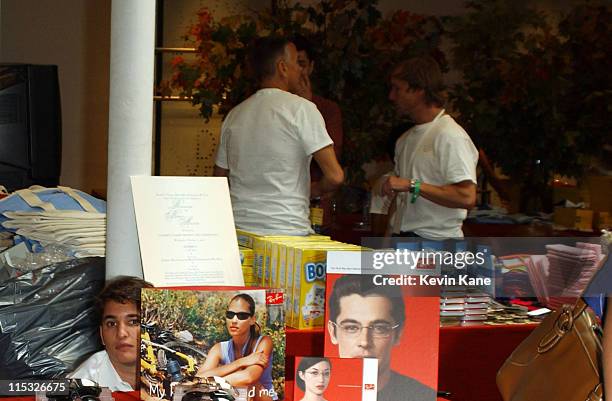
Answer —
30 126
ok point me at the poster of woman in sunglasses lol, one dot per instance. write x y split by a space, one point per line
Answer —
240 334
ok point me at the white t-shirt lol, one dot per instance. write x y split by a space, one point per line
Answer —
98 368
445 156
267 143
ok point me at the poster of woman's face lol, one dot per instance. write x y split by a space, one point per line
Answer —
329 379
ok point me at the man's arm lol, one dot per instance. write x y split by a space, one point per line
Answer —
220 172
333 175
461 195
333 124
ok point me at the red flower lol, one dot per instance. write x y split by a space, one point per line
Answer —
400 17
204 16
195 30
177 61
176 79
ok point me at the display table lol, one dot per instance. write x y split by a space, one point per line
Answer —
469 357
346 228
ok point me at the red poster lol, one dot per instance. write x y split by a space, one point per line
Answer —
335 379
369 322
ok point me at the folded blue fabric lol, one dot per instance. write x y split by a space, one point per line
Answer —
58 198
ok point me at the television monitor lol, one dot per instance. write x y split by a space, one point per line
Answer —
30 126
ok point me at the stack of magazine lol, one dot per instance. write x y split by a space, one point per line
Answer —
467 308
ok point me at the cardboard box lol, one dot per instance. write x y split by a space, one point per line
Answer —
263 251
602 220
573 194
279 258
246 259
308 292
575 219
246 238
600 191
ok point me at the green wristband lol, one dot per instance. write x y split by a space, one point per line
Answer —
416 192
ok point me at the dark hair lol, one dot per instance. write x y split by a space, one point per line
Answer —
121 289
304 364
263 55
364 286
422 73
303 44
254 330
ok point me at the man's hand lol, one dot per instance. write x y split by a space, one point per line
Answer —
220 172
304 88
395 184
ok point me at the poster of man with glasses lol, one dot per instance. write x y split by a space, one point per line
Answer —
366 320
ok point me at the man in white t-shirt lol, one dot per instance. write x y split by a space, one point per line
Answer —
267 143
435 161
116 366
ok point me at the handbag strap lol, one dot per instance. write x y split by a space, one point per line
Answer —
596 394
563 325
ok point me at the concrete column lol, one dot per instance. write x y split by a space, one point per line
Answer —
130 127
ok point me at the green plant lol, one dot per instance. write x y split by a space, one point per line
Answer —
357 53
587 34
530 94
357 47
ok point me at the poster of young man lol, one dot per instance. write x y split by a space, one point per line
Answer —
367 320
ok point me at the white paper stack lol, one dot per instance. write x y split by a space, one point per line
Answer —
464 307
476 307
538 268
452 305
570 271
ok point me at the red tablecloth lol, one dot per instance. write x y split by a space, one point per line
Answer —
468 362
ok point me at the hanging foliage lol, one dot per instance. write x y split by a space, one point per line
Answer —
534 95
356 48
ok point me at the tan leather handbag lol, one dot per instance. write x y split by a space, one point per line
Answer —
559 361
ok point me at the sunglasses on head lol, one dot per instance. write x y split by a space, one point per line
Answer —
241 315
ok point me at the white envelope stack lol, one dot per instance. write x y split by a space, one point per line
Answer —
564 272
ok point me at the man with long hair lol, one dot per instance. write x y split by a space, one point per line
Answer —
435 161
